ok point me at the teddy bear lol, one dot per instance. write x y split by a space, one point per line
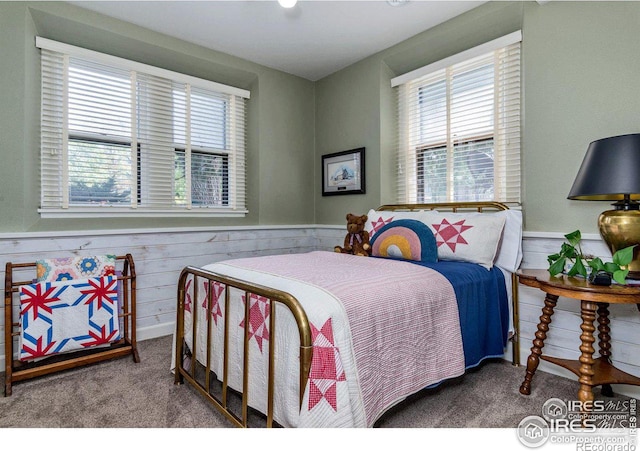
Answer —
357 240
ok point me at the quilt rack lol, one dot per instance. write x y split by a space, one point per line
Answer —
17 370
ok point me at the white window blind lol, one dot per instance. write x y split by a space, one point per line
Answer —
137 139
459 127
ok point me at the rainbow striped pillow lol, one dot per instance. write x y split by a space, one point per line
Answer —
405 239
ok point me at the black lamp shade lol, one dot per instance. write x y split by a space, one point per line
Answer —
610 170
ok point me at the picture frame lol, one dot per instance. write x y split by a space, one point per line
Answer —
343 172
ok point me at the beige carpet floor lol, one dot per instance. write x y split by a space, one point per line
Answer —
123 394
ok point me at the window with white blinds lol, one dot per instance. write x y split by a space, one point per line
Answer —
459 127
119 137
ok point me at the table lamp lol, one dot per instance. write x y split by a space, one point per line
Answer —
611 171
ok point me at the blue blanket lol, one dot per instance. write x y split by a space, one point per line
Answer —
483 305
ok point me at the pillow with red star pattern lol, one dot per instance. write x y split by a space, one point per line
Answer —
472 237
378 219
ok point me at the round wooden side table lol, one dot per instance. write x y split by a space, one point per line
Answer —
594 299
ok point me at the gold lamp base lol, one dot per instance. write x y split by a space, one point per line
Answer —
620 229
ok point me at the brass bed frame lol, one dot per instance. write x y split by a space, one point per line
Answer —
221 400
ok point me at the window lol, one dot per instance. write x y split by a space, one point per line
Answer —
459 127
137 139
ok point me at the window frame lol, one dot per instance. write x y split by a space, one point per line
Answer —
225 170
418 94
450 178
234 163
97 139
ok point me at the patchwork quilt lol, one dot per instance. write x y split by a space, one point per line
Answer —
62 316
68 268
381 329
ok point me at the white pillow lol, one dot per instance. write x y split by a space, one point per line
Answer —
509 255
510 251
469 237
377 219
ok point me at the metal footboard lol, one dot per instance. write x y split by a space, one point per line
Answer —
221 402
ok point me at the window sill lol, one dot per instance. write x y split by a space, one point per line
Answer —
115 212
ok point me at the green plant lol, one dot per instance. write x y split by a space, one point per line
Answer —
572 252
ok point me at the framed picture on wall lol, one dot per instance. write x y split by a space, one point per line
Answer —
343 172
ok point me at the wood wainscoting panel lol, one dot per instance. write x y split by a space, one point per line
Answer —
159 257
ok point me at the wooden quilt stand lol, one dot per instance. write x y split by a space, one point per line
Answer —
16 370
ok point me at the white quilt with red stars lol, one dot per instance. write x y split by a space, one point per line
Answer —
382 330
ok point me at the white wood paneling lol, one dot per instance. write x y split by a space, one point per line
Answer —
160 256
327 237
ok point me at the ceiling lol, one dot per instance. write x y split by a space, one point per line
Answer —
313 39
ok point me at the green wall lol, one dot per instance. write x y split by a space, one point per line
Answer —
580 63
582 66
347 117
356 106
280 135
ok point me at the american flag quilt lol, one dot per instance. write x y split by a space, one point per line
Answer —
62 316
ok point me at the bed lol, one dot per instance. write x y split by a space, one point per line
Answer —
323 339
